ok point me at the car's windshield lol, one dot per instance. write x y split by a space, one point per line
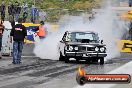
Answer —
79 36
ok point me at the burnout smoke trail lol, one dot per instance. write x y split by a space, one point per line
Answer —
104 24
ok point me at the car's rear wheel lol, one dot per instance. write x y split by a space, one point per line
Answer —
61 58
102 61
66 59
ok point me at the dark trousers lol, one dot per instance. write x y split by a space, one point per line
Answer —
33 19
25 15
17 51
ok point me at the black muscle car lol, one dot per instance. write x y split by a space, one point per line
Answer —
82 46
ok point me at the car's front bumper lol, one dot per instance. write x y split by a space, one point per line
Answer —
85 54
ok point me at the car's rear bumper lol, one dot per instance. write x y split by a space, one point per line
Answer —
86 54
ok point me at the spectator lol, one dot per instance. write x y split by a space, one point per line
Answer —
17 11
11 14
25 11
33 14
18 33
42 15
1 34
11 20
11 11
2 9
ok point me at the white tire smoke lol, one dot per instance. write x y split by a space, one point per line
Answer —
104 24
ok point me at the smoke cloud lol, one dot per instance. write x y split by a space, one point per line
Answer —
105 24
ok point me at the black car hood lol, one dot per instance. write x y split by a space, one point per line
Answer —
85 44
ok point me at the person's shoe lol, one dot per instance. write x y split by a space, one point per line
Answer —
14 63
19 62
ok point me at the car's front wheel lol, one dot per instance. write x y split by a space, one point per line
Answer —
66 59
61 58
102 61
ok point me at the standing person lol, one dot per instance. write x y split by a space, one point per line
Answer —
11 14
25 11
37 15
1 34
11 11
2 9
33 13
17 11
11 20
42 15
41 30
18 34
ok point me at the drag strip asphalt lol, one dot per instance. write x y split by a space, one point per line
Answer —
36 73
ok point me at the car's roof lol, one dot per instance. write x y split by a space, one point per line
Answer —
82 31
